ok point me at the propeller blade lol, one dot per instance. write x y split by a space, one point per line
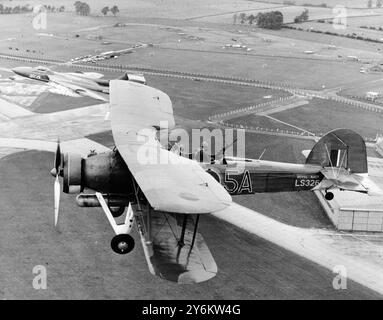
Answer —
57 163
57 192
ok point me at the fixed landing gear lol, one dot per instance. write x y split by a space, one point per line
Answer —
117 211
329 196
122 243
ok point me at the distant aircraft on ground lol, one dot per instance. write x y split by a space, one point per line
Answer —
90 84
167 198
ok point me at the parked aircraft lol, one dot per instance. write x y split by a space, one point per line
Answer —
167 197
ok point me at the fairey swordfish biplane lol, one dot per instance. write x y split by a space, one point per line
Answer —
165 198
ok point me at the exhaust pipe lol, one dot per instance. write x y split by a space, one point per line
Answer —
112 200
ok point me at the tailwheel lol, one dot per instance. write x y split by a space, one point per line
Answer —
329 196
117 211
122 243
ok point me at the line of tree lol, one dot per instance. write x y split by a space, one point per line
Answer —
28 8
378 3
266 20
270 20
114 10
55 9
348 35
304 16
82 8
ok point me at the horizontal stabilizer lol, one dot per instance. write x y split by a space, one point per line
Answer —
340 178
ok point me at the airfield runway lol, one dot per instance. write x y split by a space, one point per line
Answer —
81 265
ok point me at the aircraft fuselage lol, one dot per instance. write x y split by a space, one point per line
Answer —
65 79
107 173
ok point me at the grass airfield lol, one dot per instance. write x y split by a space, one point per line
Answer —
81 264
79 260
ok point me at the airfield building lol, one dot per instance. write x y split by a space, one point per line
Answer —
350 211
372 95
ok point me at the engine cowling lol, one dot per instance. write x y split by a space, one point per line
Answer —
72 173
105 172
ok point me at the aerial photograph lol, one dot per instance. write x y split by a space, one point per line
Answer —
169 150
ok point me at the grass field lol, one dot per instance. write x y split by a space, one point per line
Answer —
198 100
320 116
278 60
289 13
276 148
329 3
180 9
300 209
50 102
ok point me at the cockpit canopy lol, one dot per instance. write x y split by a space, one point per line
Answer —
42 69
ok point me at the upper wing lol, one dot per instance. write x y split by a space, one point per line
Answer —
170 183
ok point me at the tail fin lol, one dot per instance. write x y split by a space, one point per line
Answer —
340 148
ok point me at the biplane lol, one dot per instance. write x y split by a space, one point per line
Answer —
165 193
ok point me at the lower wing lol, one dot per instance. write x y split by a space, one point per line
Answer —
173 254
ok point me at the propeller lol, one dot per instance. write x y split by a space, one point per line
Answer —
56 172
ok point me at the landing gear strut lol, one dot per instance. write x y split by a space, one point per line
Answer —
329 196
122 243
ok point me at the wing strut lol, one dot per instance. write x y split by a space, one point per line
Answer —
136 191
181 242
195 231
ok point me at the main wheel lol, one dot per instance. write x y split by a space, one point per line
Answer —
122 243
117 211
329 196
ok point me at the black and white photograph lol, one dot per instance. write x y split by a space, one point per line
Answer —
204 151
